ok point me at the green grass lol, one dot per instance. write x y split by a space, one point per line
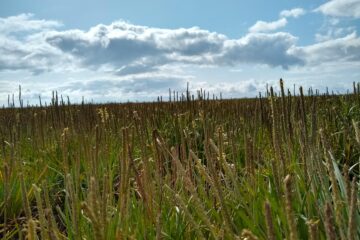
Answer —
186 169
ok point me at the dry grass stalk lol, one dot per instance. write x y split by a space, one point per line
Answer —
105 200
42 218
288 208
31 230
49 214
347 182
124 174
269 222
51 225
335 188
357 131
158 146
351 233
284 111
313 229
329 222
303 112
25 199
276 135
275 172
6 180
73 203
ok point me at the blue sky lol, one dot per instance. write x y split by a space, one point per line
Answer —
116 51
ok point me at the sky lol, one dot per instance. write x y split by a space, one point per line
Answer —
116 51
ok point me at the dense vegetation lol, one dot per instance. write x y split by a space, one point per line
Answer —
273 167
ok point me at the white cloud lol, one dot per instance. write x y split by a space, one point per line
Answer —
270 49
120 44
345 49
35 56
333 33
261 26
341 8
25 22
137 60
133 48
333 28
125 49
295 13
23 46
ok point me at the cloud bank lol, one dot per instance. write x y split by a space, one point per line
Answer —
138 60
127 49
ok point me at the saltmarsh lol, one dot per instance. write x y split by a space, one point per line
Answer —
273 167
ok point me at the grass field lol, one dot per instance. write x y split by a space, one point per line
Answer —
273 167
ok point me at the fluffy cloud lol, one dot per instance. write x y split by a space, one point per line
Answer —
261 26
23 46
25 22
295 13
126 49
121 43
271 49
34 56
133 49
345 49
333 32
341 8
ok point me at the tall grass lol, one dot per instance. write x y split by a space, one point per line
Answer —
277 167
